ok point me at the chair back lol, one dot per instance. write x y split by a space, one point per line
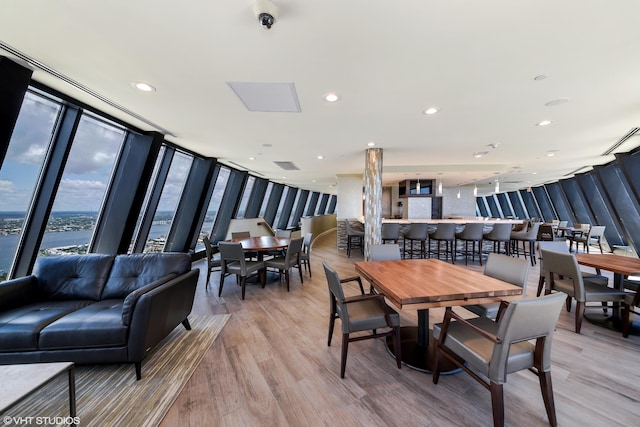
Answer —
563 272
557 246
293 252
472 231
231 252
390 231
597 231
240 234
546 233
385 252
336 293
524 320
500 232
306 243
283 234
418 231
207 248
582 227
508 269
563 223
445 231
348 227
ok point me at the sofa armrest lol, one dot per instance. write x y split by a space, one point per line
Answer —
159 311
130 301
18 292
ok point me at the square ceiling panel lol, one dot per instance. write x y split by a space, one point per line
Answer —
267 97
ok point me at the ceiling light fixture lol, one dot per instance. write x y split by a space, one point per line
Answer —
331 97
544 123
320 157
479 154
371 144
540 77
497 189
431 110
143 86
494 145
475 190
252 158
458 192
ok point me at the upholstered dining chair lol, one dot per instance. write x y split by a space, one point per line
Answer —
578 232
390 232
529 236
418 232
473 233
305 255
630 304
388 252
490 350
445 232
234 262
564 275
507 269
360 313
291 259
214 262
592 237
561 246
500 233
283 233
354 238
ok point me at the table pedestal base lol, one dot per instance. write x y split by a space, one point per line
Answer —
416 356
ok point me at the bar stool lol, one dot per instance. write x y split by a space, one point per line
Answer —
390 232
500 233
354 238
416 232
472 233
446 232
530 236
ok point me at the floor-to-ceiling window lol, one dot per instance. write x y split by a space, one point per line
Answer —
214 204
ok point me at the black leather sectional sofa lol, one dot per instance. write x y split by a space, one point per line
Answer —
95 308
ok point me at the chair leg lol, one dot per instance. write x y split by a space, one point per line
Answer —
579 315
243 282
547 395
497 404
206 286
436 362
568 304
343 357
263 277
221 284
626 322
396 346
540 285
300 271
332 322
286 276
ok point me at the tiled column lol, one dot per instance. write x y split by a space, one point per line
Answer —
372 199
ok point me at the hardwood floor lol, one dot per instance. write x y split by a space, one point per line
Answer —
271 366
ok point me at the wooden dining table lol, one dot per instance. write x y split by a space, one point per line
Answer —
262 244
621 267
421 284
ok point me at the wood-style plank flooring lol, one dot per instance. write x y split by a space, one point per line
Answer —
271 366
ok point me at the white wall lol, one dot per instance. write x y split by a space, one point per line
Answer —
465 206
350 203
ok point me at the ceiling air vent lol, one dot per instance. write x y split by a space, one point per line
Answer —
621 141
288 166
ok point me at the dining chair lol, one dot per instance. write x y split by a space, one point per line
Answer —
500 233
578 232
546 233
214 263
291 259
283 233
630 304
390 232
529 236
360 313
592 237
445 232
417 232
305 255
564 275
387 252
234 262
490 350
471 233
561 246
354 238
507 269
561 233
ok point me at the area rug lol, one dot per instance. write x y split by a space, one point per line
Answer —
109 395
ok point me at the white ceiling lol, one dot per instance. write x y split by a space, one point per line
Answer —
388 61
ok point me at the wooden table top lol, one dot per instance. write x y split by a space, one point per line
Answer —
628 266
417 284
262 243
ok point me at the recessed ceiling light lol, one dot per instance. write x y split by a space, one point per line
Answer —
555 102
430 110
479 154
331 97
313 180
540 77
144 87
494 145
252 158
544 123
371 144
320 157
550 154
534 173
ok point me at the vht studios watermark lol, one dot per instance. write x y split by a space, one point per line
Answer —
40 421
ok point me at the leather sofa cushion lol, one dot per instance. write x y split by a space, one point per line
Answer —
69 277
130 272
96 325
20 327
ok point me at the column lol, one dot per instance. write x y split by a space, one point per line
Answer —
372 199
